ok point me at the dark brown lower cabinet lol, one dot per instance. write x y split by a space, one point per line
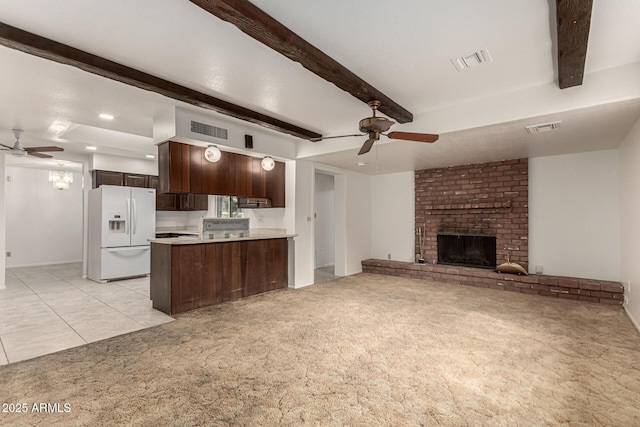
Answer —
186 277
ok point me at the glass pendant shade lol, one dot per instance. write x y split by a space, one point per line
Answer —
61 179
212 154
268 163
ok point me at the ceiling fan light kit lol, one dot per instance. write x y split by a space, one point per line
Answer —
375 126
19 151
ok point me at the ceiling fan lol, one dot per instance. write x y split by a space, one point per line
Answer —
19 151
375 126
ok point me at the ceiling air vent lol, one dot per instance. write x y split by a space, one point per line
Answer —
204 129
468 61
543 127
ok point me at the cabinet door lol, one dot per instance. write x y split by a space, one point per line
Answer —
201 202
243 175
136 180
219 177
196 158
267 265
234 271
164 201
186 272
276 185
107 178
258 178
185 203
173 167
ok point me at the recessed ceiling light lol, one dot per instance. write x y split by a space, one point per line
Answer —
361 164
150 156
106 116
543 127
91 147
468 61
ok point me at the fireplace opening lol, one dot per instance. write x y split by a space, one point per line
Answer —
468 250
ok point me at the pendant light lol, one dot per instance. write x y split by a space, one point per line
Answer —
61 179
212 154
268 163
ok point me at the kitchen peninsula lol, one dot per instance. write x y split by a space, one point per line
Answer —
189 273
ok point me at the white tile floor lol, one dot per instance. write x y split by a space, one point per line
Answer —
324 274
51 308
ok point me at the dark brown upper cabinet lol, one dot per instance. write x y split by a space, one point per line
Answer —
135 180
174 167
102 177
183 169
275 184
99 178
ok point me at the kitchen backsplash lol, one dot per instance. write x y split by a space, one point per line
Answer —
179 219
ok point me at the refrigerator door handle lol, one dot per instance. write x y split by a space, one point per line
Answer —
128 215
129 249
135 217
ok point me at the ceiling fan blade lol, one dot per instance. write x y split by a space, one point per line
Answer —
38 149
411 136
36 154
331 137
366 147
7 146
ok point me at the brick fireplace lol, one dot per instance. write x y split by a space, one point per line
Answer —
486 199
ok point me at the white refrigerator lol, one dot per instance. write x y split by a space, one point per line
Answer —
121 219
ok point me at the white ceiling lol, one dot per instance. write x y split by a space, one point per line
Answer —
402 48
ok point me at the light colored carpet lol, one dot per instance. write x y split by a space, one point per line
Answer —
362 350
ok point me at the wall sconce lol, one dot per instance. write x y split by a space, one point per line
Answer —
268 163
212 154
61 179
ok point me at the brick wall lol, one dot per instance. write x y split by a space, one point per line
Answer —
599 291
481 199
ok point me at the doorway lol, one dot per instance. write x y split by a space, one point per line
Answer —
44 222
324 230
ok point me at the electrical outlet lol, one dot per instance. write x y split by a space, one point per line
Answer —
628 287
539 269
8 254
388 256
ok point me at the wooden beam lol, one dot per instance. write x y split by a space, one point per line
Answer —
573 19
254 22
33 44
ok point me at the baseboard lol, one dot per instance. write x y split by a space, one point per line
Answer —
44 264
295 286
326 265
633 321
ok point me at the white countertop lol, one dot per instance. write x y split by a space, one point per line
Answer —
254 234
177 229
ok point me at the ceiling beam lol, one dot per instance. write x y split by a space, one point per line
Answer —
254 22
573 19
34 44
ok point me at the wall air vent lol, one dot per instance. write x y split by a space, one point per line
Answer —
204 129
543 127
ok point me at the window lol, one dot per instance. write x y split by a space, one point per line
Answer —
227 207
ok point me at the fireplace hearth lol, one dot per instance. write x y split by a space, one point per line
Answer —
467 250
